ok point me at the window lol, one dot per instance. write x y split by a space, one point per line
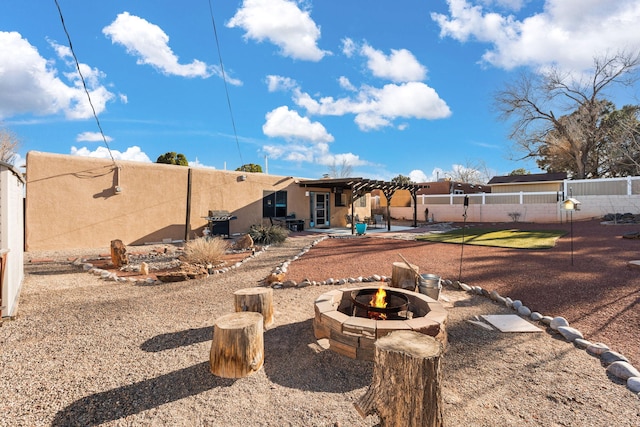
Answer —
340 199
274 204
361 202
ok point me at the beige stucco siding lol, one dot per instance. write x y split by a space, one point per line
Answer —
72 201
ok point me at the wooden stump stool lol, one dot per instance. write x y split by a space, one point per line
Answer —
406 386
237 349
258 300
403 277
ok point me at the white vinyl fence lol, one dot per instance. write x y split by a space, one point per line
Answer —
12 188
597 198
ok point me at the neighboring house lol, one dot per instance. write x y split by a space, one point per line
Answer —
11 238
84 202
536 182
443 186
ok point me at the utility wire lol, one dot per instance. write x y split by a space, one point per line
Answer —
104 139
224 79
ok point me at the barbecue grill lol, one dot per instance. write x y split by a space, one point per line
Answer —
219 223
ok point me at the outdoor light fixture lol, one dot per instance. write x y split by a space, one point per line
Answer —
571 205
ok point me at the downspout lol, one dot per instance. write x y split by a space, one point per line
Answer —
187 225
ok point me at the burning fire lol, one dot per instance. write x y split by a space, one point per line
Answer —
379 300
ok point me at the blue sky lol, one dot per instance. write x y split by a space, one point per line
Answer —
403 87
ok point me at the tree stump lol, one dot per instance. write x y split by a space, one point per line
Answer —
403 277
258 300
119 255
405 389
237 349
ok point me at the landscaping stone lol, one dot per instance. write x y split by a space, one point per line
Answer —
465 287
597 349
609 357
509 302
546 320
581 343
634 384
556 322
623 370
569 333
523 310
535 316
516 304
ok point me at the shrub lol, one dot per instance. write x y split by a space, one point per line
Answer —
205 251
268 234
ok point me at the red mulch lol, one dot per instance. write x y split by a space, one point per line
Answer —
599 295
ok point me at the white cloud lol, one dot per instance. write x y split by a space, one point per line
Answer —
568 33
375 108
348 47
399 66
132 153
288 124
282 23
276 83
92 137
150 44
197 164
29 83
417 175
346 84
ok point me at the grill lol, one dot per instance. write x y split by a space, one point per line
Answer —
219 223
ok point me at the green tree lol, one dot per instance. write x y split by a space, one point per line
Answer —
401 180
557 116
250 167
519 171
171 158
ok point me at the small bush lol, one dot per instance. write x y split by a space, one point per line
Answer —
205 251
268 234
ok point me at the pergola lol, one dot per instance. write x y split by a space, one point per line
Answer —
361 186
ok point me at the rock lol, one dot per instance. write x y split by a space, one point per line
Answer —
569 333
609 357
557 322
289 284
535 316
304 284
144 269
634 384
243 243
455 284
516 304
546 320
119 255
581 343
376 278
635 264
508 302
524 311
502 300
623 370
494 295
87 267
465 287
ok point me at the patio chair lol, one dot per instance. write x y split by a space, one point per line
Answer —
378 219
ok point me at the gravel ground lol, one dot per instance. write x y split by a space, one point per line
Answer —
84 351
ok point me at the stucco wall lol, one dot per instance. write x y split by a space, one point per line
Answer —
72 202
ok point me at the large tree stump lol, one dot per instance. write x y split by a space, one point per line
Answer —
405 389
237 349
403 277
258 300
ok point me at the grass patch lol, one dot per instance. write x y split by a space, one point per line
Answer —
512 238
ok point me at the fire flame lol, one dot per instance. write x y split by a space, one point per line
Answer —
379 299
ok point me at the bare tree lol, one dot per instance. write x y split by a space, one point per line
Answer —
471 172
342 170
573 129
9 144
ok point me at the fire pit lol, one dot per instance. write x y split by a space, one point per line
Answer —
352 324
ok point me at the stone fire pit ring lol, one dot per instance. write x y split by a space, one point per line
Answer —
355 337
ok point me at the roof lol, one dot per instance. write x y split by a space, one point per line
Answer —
360 185
527 179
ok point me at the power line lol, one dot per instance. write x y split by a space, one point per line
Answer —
224 79
104 138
